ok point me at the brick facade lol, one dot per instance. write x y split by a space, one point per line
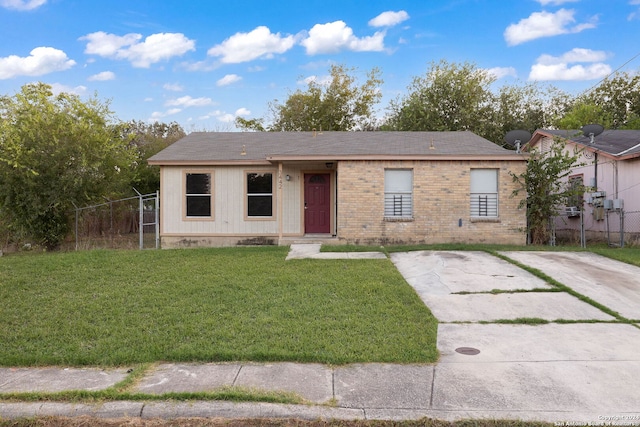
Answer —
441 204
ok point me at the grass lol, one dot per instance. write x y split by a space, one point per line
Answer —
260 422
117 308
630 255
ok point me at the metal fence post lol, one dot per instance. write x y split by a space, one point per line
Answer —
622 228
77 210
140 218
157 219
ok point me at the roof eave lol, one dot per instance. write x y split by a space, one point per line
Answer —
386 157
207 162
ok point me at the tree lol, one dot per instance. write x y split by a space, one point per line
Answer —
619 99
56 151
529 107
546 188
250 125
340 105
147 139
449 97
583 113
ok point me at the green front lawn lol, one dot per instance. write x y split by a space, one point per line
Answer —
233 304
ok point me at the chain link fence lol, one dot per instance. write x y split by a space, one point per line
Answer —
128 223
613 227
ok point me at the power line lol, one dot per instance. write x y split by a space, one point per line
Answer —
611 74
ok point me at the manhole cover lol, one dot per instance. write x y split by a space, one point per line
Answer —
469 351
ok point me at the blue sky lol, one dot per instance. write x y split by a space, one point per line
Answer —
203 63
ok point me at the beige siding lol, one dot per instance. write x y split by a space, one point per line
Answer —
229 206
441 207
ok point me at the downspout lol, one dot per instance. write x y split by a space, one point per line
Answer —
595 173
615 179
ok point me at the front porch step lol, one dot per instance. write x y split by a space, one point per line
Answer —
310 239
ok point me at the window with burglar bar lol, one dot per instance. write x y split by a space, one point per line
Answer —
398 193
484 193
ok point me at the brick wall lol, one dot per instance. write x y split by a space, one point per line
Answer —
441 204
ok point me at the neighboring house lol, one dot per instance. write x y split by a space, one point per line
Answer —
235 188
609 165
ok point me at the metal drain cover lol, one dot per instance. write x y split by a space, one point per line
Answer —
469 351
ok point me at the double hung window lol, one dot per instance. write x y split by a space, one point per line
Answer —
484 193
260 194
198 194
398 193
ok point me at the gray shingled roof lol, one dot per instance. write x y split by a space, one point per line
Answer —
227 146
614 142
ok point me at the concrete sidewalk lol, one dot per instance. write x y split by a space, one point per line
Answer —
312 251
556 372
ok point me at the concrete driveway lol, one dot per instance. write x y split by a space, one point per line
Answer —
475 286
613 284
580 371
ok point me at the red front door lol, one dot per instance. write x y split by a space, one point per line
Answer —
317 203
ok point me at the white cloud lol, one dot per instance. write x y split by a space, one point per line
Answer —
574 55
259 43
173 87
103 76
108 45
389 19
545 24
336 36
322 81
635 14
41 60
548 67
543 72
58 88
141 54
22 4
555 2
157 115
228 79
187 101
500 72
225 117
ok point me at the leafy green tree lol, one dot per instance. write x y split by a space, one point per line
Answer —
582 114
147 139
529 107
449 97
56 152
619 99
250 125
545 187
340 105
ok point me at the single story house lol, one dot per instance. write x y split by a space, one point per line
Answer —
609 165
233 188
